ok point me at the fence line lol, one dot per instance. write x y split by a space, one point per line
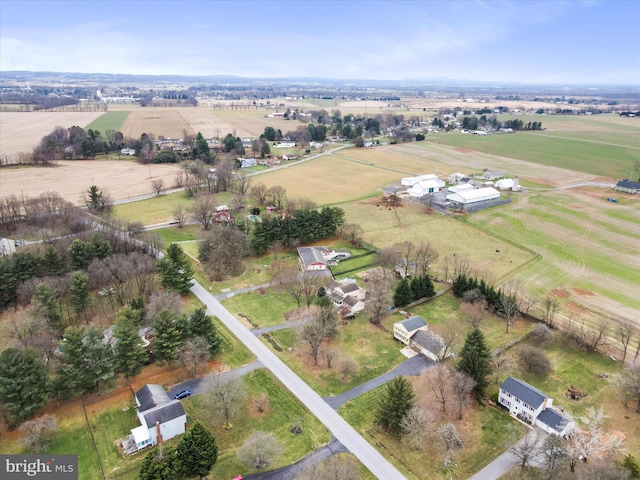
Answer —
93 440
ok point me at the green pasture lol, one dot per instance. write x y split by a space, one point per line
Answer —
157 209
487 432
581 155
284 411
374 350
109 121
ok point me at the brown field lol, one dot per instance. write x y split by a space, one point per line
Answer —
22 131
160 121
70 178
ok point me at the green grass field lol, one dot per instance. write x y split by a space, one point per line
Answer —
109 121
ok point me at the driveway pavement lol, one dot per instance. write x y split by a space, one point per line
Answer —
195 385
292 471
345 433
413 366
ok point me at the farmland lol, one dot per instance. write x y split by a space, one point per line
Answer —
109 121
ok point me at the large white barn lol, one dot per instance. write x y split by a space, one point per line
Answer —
466 197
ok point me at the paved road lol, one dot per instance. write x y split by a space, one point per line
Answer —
344 432
195 384
411 366
292 471
507 460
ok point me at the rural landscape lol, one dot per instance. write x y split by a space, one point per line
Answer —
541 283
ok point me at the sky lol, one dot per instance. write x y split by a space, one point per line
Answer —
557 42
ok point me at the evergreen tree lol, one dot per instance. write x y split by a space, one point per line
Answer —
160 464
101 248
475 359
201 324
80 254
79 293
176 272
129 352
394 405
403 294
52 261
45 302
202 150
23 377
197 451
169 335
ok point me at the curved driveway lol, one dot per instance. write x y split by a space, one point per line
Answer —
344 432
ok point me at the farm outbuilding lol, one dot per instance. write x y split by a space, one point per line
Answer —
472 196
627 186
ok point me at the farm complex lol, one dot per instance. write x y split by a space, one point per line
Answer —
408 222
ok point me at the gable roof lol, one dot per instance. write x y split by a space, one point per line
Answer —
626 183
413 323
525 392
311 255
351 300
427 340
150 396
163 413
554 419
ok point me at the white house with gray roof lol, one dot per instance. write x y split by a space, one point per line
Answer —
414 332
161 417
529 403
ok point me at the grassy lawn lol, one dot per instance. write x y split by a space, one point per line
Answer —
375 351
109 121
283 412
153 210
486 433
175 234
263 309
232 351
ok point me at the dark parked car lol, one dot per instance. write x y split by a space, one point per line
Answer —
183 394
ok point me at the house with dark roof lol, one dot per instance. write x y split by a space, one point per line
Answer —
530 404
627 186
347 296
317 258
161 417
414 332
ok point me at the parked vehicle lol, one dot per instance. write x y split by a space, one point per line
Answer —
183 394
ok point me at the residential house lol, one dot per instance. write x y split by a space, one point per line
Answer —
531 405
247 162
347 296
317 258
414 332
284 144
492 174
627 186
128 151
161 417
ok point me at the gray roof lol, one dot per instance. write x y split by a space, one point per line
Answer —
164 413
413 323
351 301
626 183
554 419
349 287
525 392
150 396
428 341
311 255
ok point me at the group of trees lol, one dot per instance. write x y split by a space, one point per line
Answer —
303 226
473 123
408 291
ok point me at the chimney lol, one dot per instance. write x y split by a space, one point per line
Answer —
159 434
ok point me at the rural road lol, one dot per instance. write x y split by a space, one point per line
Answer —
343 432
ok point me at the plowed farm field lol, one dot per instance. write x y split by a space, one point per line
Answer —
22 131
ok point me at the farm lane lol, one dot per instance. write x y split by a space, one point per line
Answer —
195 384
413 366
339 427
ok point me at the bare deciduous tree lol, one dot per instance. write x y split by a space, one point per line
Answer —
203 210
438 383
628 385
348 367
417 426
320 328
474 313
549 309
534 360
353 233
450 338
224 396
527 449
541 334
259 192
259 450
450 439
462 385
38 433
277 195
242 183
624 332
378 295
180 214
194 352
510 310
388 258
157 185
425 256
501 363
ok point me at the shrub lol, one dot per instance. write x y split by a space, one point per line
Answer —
534 360
541 334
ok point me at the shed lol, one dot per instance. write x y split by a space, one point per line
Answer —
472 196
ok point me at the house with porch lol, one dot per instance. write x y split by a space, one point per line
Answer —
534 407
161 418
347 296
